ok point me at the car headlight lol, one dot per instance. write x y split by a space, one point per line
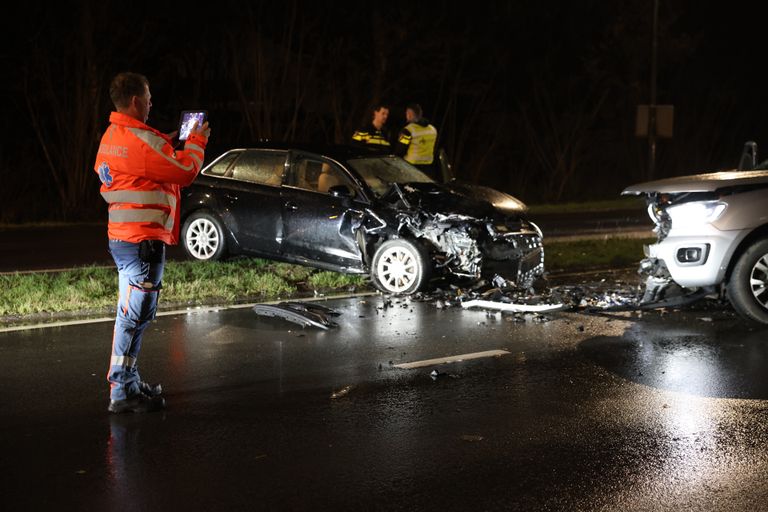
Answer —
695 213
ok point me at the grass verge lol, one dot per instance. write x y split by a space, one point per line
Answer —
624 203
93 290
576 255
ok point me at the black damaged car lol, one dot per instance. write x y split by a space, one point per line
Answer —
347 210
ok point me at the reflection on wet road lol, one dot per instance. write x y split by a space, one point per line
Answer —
663 411
716 359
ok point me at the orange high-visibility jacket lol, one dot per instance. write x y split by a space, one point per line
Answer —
141 178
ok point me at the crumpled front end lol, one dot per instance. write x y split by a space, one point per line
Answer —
686 258
516 256
467 247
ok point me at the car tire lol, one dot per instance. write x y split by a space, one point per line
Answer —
400 267
748 285
203 237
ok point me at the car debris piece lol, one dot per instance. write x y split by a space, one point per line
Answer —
342 392
518 308
304 314
434 374
314 308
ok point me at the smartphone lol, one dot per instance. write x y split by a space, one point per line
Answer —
188 118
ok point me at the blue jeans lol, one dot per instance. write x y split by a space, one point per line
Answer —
139 284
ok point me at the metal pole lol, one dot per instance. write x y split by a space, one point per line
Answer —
652 105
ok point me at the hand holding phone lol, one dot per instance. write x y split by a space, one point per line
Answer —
191 119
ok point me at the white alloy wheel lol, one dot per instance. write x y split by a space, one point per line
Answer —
399 267
203 237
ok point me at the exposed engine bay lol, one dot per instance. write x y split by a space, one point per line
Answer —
469 246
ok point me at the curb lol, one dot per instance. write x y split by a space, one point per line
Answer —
185 311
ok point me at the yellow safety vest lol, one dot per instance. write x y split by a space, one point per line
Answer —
421 144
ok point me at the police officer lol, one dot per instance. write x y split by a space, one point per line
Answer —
141 176
375 134
416 142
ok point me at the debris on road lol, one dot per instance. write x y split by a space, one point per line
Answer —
516 308
438 375
525 304
342 392
302 313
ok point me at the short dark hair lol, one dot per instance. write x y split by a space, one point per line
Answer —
126 85
416 109
379 106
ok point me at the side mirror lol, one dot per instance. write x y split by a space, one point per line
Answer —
446 169
748 158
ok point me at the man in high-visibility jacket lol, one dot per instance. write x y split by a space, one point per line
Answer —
375 134
416 142
141 176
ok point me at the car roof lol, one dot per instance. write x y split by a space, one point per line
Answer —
337 152
708 182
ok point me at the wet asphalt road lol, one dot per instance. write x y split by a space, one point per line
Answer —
664 411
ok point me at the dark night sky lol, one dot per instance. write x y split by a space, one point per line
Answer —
516 88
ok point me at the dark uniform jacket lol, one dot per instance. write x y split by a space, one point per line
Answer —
371 136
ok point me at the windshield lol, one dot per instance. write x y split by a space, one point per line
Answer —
380 172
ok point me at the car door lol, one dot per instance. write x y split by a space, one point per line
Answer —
318 227
251 196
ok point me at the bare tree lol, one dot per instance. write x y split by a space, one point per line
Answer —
276 73
558 137
62 99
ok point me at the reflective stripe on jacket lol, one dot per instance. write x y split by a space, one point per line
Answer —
141 178
371 135
421 143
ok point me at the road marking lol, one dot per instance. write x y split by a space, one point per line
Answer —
186 311
452 359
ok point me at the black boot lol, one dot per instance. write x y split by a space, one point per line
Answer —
137 403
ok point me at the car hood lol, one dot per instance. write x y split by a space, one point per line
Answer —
709 182
434 199
500 200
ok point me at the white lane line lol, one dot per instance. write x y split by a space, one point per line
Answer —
452 359
186 311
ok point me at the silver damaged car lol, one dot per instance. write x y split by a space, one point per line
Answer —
712 234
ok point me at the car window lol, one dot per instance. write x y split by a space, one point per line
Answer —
265 168
380 172
318 176
221 166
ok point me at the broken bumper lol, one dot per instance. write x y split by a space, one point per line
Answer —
696 261
519 259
